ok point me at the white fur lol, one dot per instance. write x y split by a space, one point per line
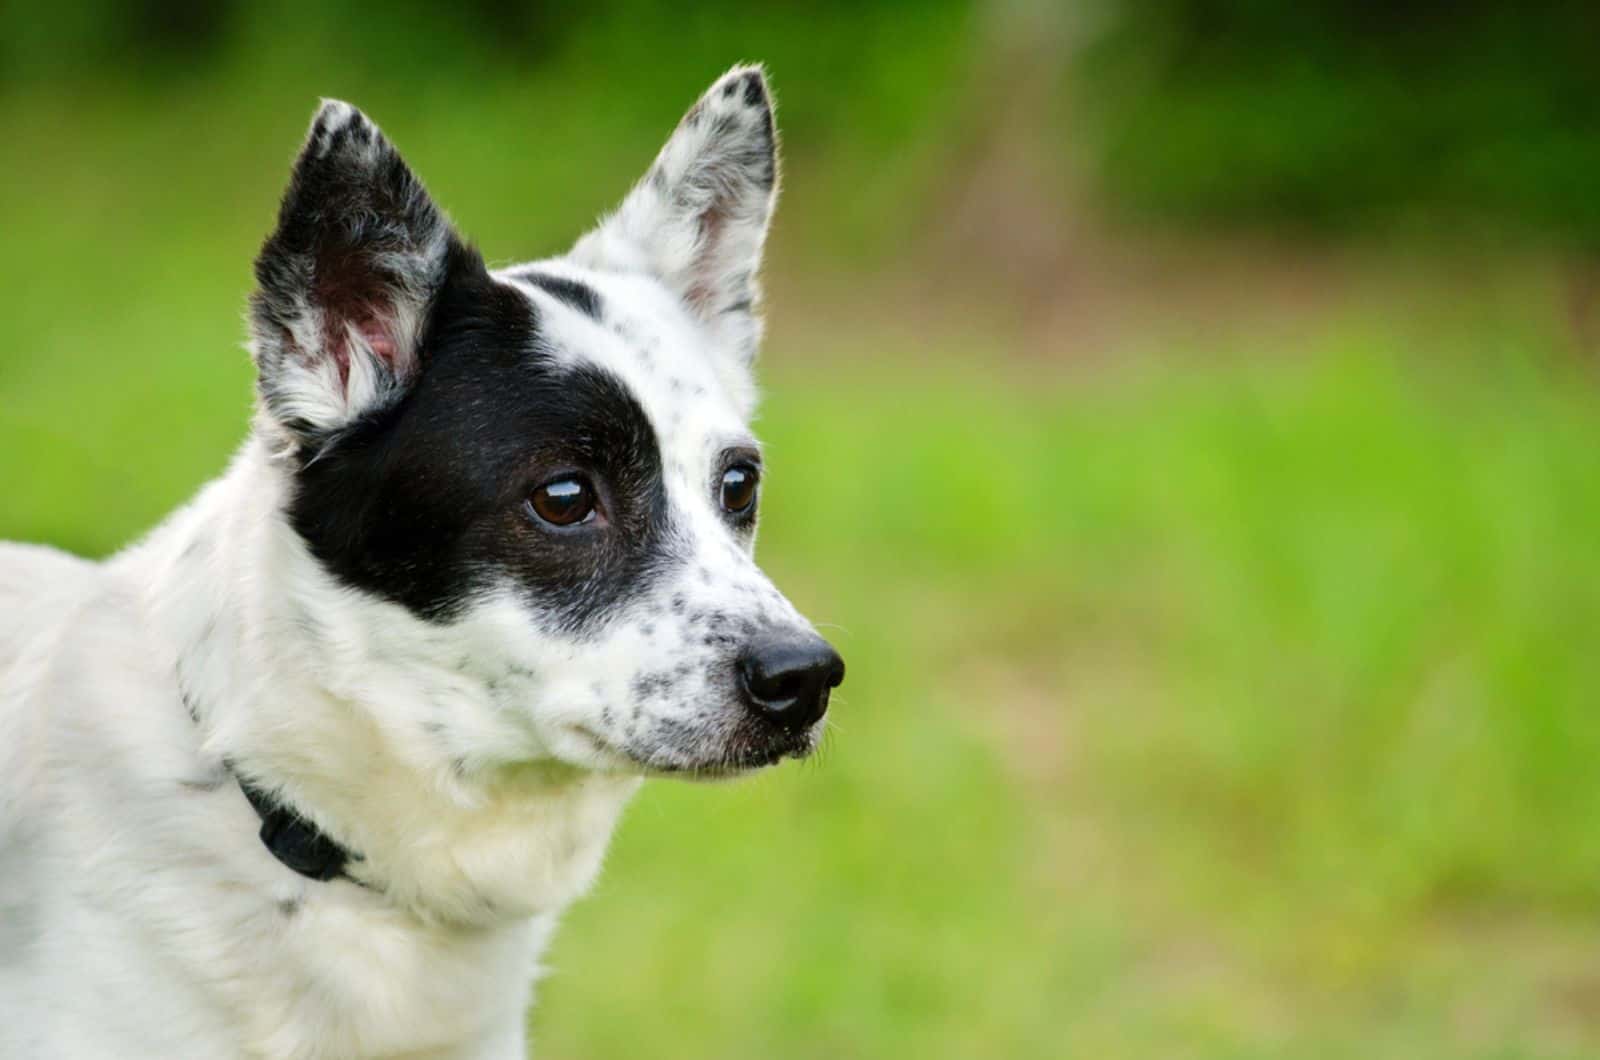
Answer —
477 765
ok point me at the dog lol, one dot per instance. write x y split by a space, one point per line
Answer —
313 769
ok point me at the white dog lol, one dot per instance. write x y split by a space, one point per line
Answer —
313 769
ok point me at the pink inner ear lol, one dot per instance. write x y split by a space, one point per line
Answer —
351 292
379 340
379 334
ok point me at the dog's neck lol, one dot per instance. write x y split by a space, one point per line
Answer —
330 702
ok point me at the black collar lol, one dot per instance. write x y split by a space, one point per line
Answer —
294 840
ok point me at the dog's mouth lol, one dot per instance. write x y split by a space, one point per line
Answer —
711 758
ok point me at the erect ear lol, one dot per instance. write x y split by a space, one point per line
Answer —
699 217
345 282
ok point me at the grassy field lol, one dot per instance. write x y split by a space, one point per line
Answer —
1223 701
1192 713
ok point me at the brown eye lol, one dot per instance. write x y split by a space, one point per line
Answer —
564 501
739 488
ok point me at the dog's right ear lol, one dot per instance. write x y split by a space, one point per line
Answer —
699 218
345 282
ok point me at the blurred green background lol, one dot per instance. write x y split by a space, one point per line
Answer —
1182 414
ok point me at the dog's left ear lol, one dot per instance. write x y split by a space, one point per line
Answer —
345 283
698 219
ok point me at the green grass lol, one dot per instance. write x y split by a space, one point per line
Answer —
1217 704
1191 714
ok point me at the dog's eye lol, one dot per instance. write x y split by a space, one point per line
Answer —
739 488
564 501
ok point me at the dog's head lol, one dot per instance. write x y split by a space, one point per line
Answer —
547 469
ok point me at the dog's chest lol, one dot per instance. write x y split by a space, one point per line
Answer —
165 963
354 981
157 923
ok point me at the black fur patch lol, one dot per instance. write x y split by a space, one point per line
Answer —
579 296
755 94
423 503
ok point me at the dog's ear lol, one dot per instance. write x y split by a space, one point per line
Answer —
345 282
698 219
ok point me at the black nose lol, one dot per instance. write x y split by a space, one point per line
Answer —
787 679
